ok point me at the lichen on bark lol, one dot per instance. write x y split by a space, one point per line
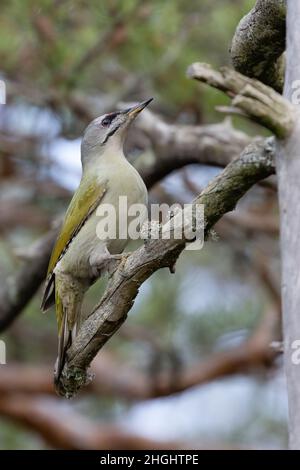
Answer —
259 42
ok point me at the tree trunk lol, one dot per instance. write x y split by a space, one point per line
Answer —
288 169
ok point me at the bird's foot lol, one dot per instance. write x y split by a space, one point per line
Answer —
107 263
121 260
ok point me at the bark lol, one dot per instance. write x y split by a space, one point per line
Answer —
250 97
288 164
259 42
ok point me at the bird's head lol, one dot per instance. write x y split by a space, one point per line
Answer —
108 131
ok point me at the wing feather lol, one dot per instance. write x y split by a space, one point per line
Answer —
84 202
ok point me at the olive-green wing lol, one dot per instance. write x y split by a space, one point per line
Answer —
84 202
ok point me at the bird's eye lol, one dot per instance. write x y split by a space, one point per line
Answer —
106 121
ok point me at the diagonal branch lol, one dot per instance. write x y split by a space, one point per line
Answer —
220 196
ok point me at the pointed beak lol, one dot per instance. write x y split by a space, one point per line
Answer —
135 110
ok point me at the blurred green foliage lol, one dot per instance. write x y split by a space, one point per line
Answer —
154 41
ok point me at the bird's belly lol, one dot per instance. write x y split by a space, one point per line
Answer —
76 258
94 236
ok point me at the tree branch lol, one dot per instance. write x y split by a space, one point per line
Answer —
65 429
258 101
259 42
19 289
175 146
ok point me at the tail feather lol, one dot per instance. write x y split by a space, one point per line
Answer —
63 336
64 342
49 293
68 316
